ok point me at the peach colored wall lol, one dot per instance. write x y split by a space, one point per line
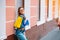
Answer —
34 2
10 15
53 8
9 28
10 2
33 12
33 21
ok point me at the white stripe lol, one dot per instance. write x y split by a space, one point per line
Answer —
7 7
10 6
10 21
32 16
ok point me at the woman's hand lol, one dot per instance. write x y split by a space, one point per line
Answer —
23 28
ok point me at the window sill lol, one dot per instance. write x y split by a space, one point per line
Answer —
42 22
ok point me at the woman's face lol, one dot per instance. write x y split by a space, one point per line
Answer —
22 10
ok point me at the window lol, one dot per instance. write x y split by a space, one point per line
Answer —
50 11
39 10
43 11
47 8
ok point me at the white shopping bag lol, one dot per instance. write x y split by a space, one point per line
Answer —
27 27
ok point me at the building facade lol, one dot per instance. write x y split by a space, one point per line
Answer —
38 12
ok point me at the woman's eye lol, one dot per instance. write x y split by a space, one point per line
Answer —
20 10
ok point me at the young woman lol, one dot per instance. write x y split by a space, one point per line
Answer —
23 22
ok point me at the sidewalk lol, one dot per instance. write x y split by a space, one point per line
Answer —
53 35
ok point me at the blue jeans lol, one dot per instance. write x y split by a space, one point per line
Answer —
20 35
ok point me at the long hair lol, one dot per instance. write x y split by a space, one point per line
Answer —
19 11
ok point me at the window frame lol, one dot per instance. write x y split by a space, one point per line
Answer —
39 22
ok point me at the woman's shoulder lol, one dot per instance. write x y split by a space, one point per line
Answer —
23 16
20 16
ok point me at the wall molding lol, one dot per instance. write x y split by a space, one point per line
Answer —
10 21
10 6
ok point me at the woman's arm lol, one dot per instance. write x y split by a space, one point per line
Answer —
26 22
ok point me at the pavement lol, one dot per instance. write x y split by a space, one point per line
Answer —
53 35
